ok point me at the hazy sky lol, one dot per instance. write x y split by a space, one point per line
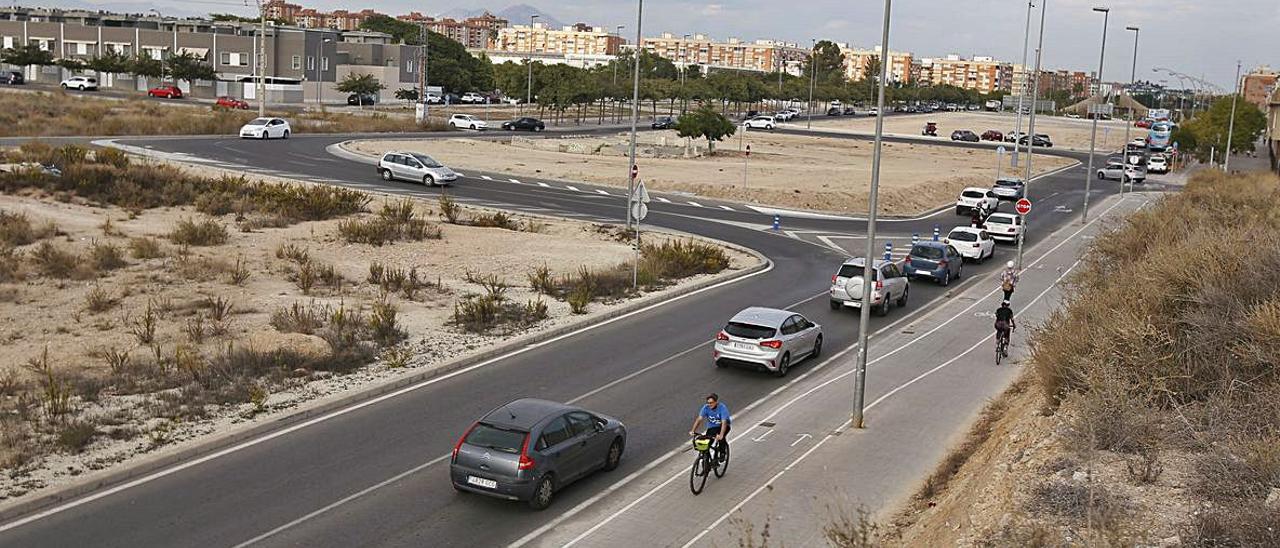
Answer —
1189 36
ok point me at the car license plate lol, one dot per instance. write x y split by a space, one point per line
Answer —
857 304
742 346
481 482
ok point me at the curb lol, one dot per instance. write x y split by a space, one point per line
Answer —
17 509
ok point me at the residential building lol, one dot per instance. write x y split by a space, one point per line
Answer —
473 32
735 54
1257 86
857 60
580 39
983 74
294 14
1272 134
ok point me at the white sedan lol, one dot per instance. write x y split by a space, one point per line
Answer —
760 122
467 121
1004 227
1158 164
973 197
265 128
972 243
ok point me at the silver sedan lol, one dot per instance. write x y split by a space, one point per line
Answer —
767 338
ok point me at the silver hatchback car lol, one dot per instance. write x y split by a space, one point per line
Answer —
411 166
529 448
767 338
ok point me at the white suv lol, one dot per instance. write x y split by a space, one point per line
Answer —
416 167
475 98
1157 164
888 284
973 196
80 82
974 244
467 121
760 122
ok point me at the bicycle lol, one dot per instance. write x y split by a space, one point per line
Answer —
1002 345
710 459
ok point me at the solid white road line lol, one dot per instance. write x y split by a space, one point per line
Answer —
345 410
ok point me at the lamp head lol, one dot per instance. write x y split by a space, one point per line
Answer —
1102 10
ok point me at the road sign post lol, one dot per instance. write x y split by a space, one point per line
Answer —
1023 207
745 158
638 209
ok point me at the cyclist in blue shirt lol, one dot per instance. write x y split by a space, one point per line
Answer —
715 415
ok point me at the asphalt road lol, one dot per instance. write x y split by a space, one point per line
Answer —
650 370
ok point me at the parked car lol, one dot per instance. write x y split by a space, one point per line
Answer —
936 260
873 111
972 108
760 122
81 83
411 166
167 92
833 111
849 111
1137 144
768 339
1009 188
888 284
663 122
265 128
973 196
964 135
1013 136
974 244
362 99
12 78
467 121
528 449
1144 123
230 102
473 98
434 98
1004 226
1158 164
992 135
524 123
1040 140
1122 172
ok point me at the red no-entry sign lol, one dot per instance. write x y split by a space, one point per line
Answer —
1023 206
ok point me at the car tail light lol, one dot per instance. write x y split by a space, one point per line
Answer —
722 336
526 463
833 278
907 260
879 285
458 446
772 344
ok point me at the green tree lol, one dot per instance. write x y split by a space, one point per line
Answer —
26 55
404 31
146 67
110 63
188 67
1208 130
407 94
704 122
360 84
829 61
71 63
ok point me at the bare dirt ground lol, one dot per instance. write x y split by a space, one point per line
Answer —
783 170
80 325
1064 132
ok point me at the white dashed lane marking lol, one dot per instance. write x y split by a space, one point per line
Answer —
726 208
573 188
514 181
663 200
694 204
486 177
544 185
602 192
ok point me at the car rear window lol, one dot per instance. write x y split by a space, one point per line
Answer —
972 194
1004 182
999 220
498 439
854 271
749 331
926 252
964 236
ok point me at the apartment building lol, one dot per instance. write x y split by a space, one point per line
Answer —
701 50
473 32
580 39
299 63
1257 86
294 14
983 74
856 62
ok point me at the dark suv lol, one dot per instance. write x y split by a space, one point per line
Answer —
964 135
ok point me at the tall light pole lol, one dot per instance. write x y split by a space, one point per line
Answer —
635 112
1093 135
684 67
1231 125
1026 39
161 18
868 262
1133 80
1031 121
813 78
319 72
528 60
615 58
262 60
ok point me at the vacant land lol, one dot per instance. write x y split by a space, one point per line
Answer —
142 306
1151 415
783 170
1064 132
41 114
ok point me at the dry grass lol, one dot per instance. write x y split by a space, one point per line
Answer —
16 229
395 221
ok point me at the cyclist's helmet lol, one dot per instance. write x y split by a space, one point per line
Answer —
1008 264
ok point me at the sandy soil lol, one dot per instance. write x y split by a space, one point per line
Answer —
783 170
40 313
1064 132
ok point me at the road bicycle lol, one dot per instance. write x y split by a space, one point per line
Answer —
1002 345
710 458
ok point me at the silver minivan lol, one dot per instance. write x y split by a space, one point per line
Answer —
411 166
528 449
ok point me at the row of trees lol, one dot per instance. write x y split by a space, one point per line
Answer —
1207 131
180 67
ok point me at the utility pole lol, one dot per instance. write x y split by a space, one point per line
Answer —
1026 38
1093 135
615 57
868 262
423 52
262 60
1231 125
684 67
1133 80
813 78
635 110
528 60
1031 122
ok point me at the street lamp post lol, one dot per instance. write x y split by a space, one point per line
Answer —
635 114
528 60
262 60
1093 135
684 67
868 261
615 59
1026 39
1031 122
319 65
813 78
1231 125
1133 80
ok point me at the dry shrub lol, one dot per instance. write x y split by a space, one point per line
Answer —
299 318
99 300
10 264
1080 502
206 232
106 256
74 436
16 229
145 248
53 262
396 221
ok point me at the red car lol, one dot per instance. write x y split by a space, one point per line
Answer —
1142 123
230 102
168 92
992 135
